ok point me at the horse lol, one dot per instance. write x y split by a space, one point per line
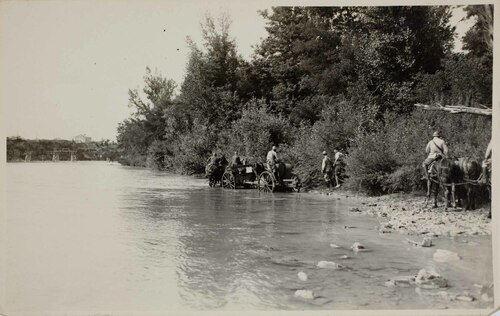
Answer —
470 170
444 172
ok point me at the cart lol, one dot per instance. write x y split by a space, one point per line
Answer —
283 179
241 176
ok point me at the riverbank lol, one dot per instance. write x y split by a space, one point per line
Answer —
406 214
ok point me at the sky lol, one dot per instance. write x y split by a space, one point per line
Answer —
66 66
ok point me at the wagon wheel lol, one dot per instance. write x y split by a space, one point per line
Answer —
296 184
266 182
228 180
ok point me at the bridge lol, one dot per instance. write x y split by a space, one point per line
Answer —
58 152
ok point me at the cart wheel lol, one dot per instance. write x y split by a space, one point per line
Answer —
266 182
296 184
228 180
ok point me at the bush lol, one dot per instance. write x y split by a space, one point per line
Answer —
255 132
390 159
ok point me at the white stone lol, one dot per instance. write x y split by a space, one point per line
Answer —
357 246
334 246
442 255
302 276
305 294
329 265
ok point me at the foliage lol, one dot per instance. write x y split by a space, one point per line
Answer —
398 150
324 77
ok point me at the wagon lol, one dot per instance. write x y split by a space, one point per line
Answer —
284 179
241 176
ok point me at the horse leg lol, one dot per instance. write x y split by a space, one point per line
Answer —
447 193
428 192
472 197
453 198
436 192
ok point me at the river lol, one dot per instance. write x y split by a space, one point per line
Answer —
100 237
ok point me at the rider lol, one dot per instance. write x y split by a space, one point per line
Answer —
327 169
436 149
211 163
272 159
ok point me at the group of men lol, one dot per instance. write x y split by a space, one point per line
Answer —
331 170
436 149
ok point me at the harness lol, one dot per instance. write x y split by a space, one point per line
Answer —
441 183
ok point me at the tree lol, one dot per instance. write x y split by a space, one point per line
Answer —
210 85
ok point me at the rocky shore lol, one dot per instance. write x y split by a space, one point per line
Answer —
426 227
405 213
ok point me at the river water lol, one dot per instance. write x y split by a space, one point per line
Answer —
99 237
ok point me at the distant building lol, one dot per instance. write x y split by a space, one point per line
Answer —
82 139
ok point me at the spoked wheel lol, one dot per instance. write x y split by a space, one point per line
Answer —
228 180
296 184
266 182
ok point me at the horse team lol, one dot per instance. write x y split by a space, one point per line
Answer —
459 179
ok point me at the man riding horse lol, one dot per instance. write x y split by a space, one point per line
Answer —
436 149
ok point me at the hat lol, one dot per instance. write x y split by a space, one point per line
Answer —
324 152
436 134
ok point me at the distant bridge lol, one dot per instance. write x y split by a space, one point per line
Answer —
56 153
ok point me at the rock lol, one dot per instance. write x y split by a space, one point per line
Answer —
354 209
349 227
486 298
334 246
427 279
329 265
357 246
427 242
344 257
464 298
442 255
372 204
401 281
302 276
305 294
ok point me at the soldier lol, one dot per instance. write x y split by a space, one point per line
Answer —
212 162
327 169
272 159
337 166
436 149
487 164
235 160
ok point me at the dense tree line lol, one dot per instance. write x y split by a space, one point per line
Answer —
323 77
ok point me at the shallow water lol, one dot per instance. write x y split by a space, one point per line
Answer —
99 237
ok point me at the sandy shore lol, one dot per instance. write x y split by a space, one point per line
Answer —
405 213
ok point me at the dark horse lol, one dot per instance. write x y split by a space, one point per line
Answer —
444 172
470 170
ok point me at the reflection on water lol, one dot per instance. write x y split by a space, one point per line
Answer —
91 236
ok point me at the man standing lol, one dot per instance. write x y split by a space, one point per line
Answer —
235 160
436 149
337 165
211 164
327 169
272 159
487 164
